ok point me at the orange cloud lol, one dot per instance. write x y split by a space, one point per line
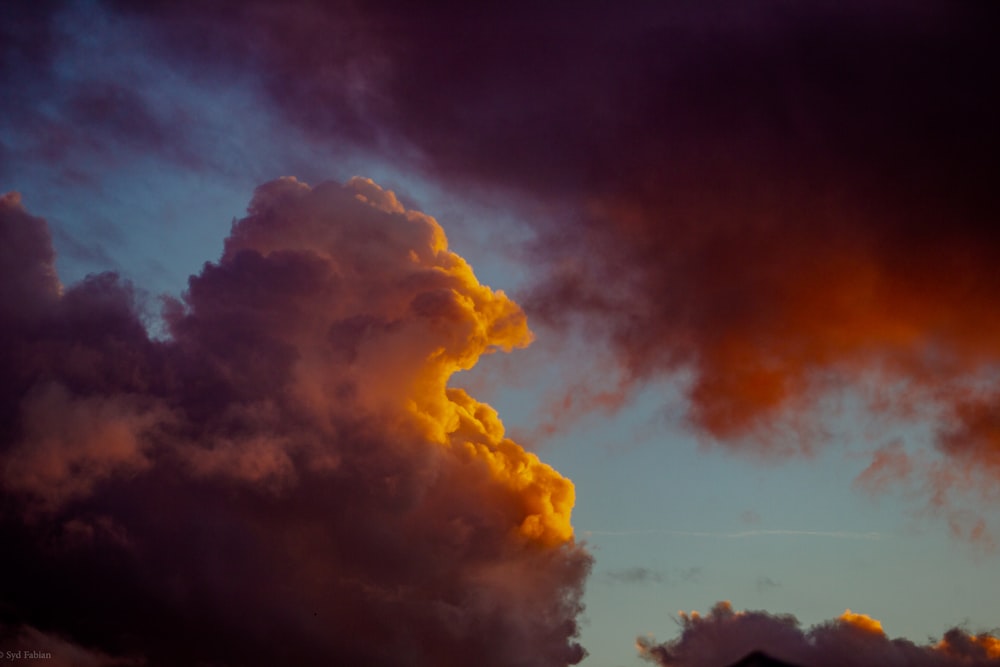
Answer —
863 622
71 444
769 311
296 430
970 646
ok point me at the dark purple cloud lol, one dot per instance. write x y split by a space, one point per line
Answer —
287 478
723 636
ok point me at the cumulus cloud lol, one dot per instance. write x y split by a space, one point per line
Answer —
288 476
70 444
723 636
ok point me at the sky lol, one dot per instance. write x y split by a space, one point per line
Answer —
498 334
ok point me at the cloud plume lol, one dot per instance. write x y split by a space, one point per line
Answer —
287 477
723 636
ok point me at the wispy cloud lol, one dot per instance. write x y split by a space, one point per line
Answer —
742 534
635 575
767 584
692 574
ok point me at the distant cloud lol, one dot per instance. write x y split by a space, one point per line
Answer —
766 584
723 636
692 574
636 575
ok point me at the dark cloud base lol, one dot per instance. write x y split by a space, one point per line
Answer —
725 636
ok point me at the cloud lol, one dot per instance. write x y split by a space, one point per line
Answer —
765 584
947 486
692 574
723 636
635 575
71 444
30 283
287 477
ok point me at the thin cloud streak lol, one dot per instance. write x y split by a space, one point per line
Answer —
742 534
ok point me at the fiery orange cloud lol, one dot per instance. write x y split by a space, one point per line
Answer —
862 622
767 320
442 330
297 430
956 643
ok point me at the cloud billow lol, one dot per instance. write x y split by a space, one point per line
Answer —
287 477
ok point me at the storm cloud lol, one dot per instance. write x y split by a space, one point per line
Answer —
287 477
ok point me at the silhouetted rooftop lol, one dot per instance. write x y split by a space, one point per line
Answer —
761 659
